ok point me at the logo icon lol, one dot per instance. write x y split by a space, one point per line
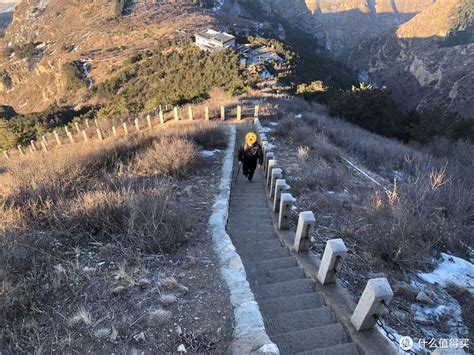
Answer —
406 343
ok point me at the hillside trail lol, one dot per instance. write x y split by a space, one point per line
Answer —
295 315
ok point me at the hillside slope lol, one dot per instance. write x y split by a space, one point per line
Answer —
56 32
419 64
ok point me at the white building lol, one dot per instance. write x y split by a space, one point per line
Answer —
212 40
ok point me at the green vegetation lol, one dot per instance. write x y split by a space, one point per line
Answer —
120 8
463 17
462 24
172 76
438 122
375 110
74 76
22 51
7 112
24 128
369 108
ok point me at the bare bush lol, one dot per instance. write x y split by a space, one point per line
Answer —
169 156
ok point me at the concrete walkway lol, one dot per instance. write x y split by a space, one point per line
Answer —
295 316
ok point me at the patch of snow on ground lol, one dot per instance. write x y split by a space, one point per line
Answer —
209 153
218 5
266 129
444 308
451 270
273 123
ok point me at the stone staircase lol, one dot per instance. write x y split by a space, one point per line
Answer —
295 315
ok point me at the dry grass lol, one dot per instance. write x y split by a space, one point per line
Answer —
55 207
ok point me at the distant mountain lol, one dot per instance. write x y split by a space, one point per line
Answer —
422 50
427 61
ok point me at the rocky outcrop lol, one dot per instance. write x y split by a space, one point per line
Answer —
420 72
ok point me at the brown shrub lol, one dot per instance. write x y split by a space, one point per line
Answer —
169 156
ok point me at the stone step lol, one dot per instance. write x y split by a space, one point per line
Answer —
271 277
245 230
281 289
241 238
299 320
276 253
256 220
342 349
258 245
277 264
291 303
310 339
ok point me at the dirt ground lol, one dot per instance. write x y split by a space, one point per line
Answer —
133 303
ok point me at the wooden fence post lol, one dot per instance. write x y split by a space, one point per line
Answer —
44 146
71 138
148 121
222 113
84 135
33 146
56 136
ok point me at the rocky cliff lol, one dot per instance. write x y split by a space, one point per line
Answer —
401 43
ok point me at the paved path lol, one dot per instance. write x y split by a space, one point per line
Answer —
295 316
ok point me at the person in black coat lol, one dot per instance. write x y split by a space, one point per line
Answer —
250 154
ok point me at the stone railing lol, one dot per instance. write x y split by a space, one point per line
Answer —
358 319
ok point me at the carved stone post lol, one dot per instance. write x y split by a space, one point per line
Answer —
376 295
306 223
277 173
280 187
272 163
239 113
206 113
284 216
334 254
190 113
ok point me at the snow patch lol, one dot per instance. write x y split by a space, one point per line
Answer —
209 153
451 270
266 129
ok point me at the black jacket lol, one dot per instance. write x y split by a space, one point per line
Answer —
251 154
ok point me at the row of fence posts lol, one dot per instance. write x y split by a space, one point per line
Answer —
377 293
45 145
